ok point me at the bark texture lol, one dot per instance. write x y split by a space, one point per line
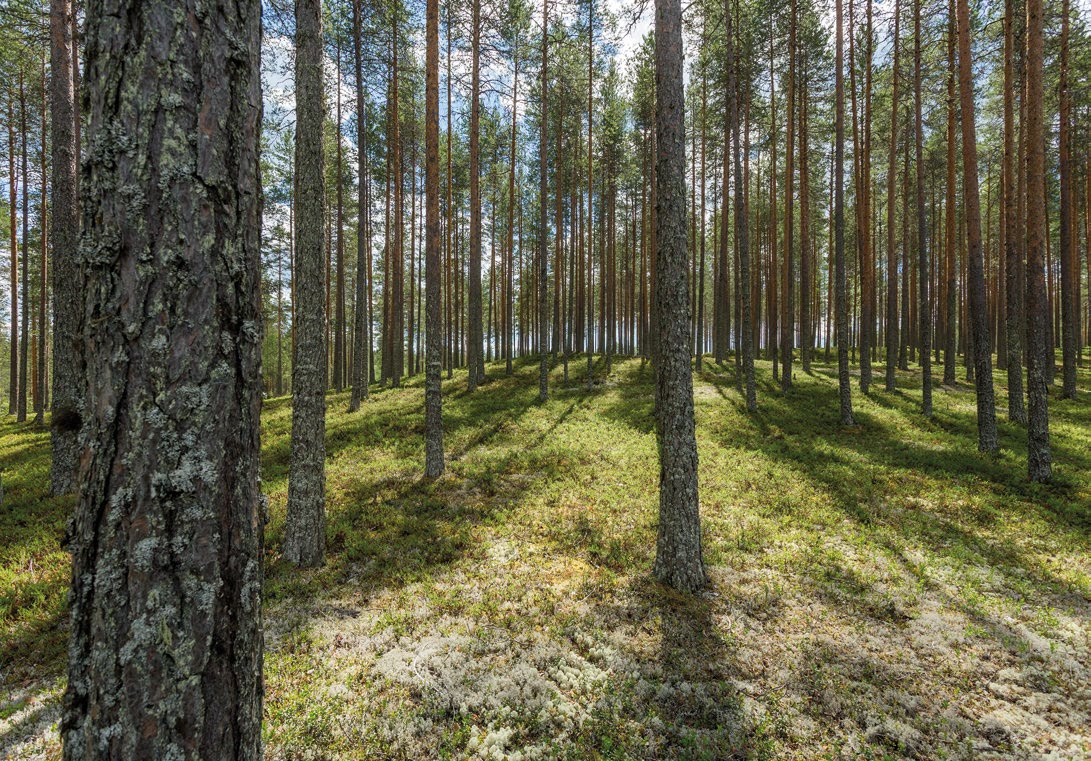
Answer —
543 253
433 400
165 657
979 310
678 561
1039 347
924 305
361 352
68 376
305 525
841 287
742 232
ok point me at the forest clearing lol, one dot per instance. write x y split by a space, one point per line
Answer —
545 379
884 592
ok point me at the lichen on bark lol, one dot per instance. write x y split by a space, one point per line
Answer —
166 646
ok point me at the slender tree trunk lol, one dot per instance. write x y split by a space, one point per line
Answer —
1069 269
13 205
450 215
509 301
165 657
678 561
41 386
361 354
924 308
339 305
742 231
979 311
24 338
433 401
891 248
950 310
840 275
397 269
1039 349
543 249
787 323
590 301
305 525
475 354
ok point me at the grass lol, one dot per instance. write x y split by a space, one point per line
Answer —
884 591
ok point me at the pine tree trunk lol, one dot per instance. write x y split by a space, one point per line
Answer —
979 310
305 525
24 338
1039 348
787 323
339 297
361 330
433 401
165 657
1069 269
742 230
543 250
924 308
844 384
950 289
475 354
13 364
891 248
678 561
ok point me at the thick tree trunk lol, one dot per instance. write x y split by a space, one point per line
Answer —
165 658
678 560
979 310
1039 348
305 525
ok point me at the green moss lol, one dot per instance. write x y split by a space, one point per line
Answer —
545 525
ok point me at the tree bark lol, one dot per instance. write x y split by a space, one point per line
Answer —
678 561
475 353
979 309
742 230
844 384
1069 268
891 247
543 248
165 658
24 338
1039 348
305 525
924 308
13 364
362 329
433 401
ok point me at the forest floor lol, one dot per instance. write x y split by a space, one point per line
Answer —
883 591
